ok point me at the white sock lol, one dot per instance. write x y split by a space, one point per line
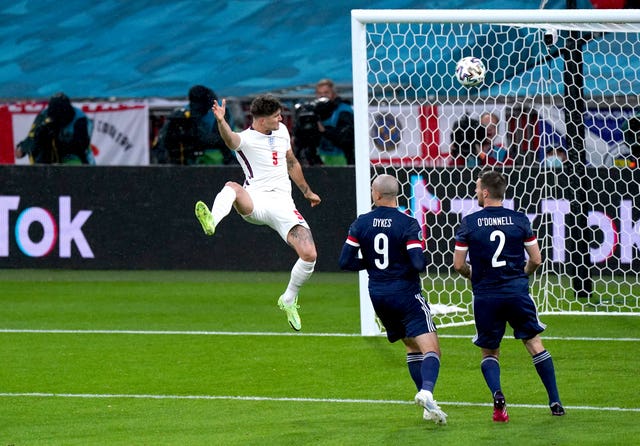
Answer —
222 204
300 273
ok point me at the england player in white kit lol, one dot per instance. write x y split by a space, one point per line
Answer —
264 152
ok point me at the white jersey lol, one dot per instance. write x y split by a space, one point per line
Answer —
264 159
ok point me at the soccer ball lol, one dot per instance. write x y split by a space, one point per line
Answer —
470 71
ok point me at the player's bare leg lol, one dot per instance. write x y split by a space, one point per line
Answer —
231 195
243 203
300 239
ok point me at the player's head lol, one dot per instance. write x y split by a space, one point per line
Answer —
266 111
265 105
490 187
384 190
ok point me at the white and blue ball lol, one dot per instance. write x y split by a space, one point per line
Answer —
470 71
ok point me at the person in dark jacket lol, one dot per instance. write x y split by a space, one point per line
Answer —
323 131
190 135
60 134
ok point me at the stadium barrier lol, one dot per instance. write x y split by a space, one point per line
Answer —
80 217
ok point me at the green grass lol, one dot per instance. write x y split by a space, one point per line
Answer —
610 294
192 382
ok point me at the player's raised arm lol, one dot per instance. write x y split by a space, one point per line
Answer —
231 138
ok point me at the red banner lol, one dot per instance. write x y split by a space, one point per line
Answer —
6 136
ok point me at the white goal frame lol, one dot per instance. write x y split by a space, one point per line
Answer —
359 21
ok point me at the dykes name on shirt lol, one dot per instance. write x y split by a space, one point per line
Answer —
382 222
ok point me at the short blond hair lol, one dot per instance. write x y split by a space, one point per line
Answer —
386 185
325 82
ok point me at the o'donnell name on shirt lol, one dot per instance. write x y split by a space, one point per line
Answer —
494 221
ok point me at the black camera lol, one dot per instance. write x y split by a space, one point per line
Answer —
308 114
306 119
45 131
305 130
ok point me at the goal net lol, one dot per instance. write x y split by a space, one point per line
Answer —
557 112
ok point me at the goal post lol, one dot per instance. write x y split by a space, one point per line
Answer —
558 113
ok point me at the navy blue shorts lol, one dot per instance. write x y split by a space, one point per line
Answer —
403 315
492 314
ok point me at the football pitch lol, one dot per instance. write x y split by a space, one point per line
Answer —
206 358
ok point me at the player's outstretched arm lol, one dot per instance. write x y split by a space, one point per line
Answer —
231 138
295 173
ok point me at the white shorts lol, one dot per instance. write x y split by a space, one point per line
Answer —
276 210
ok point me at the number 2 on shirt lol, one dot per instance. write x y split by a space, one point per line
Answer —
501 238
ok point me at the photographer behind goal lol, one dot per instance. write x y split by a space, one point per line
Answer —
190 135
323 130
60 134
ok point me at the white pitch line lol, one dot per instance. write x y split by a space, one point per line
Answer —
175 332
289 399
254 333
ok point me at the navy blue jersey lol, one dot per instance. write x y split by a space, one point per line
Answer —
495 238
392 250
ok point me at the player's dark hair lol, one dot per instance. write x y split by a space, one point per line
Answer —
494 182
265 105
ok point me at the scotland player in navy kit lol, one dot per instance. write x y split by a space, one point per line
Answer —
495 239
392 253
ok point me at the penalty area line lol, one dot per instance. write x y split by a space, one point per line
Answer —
287 399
